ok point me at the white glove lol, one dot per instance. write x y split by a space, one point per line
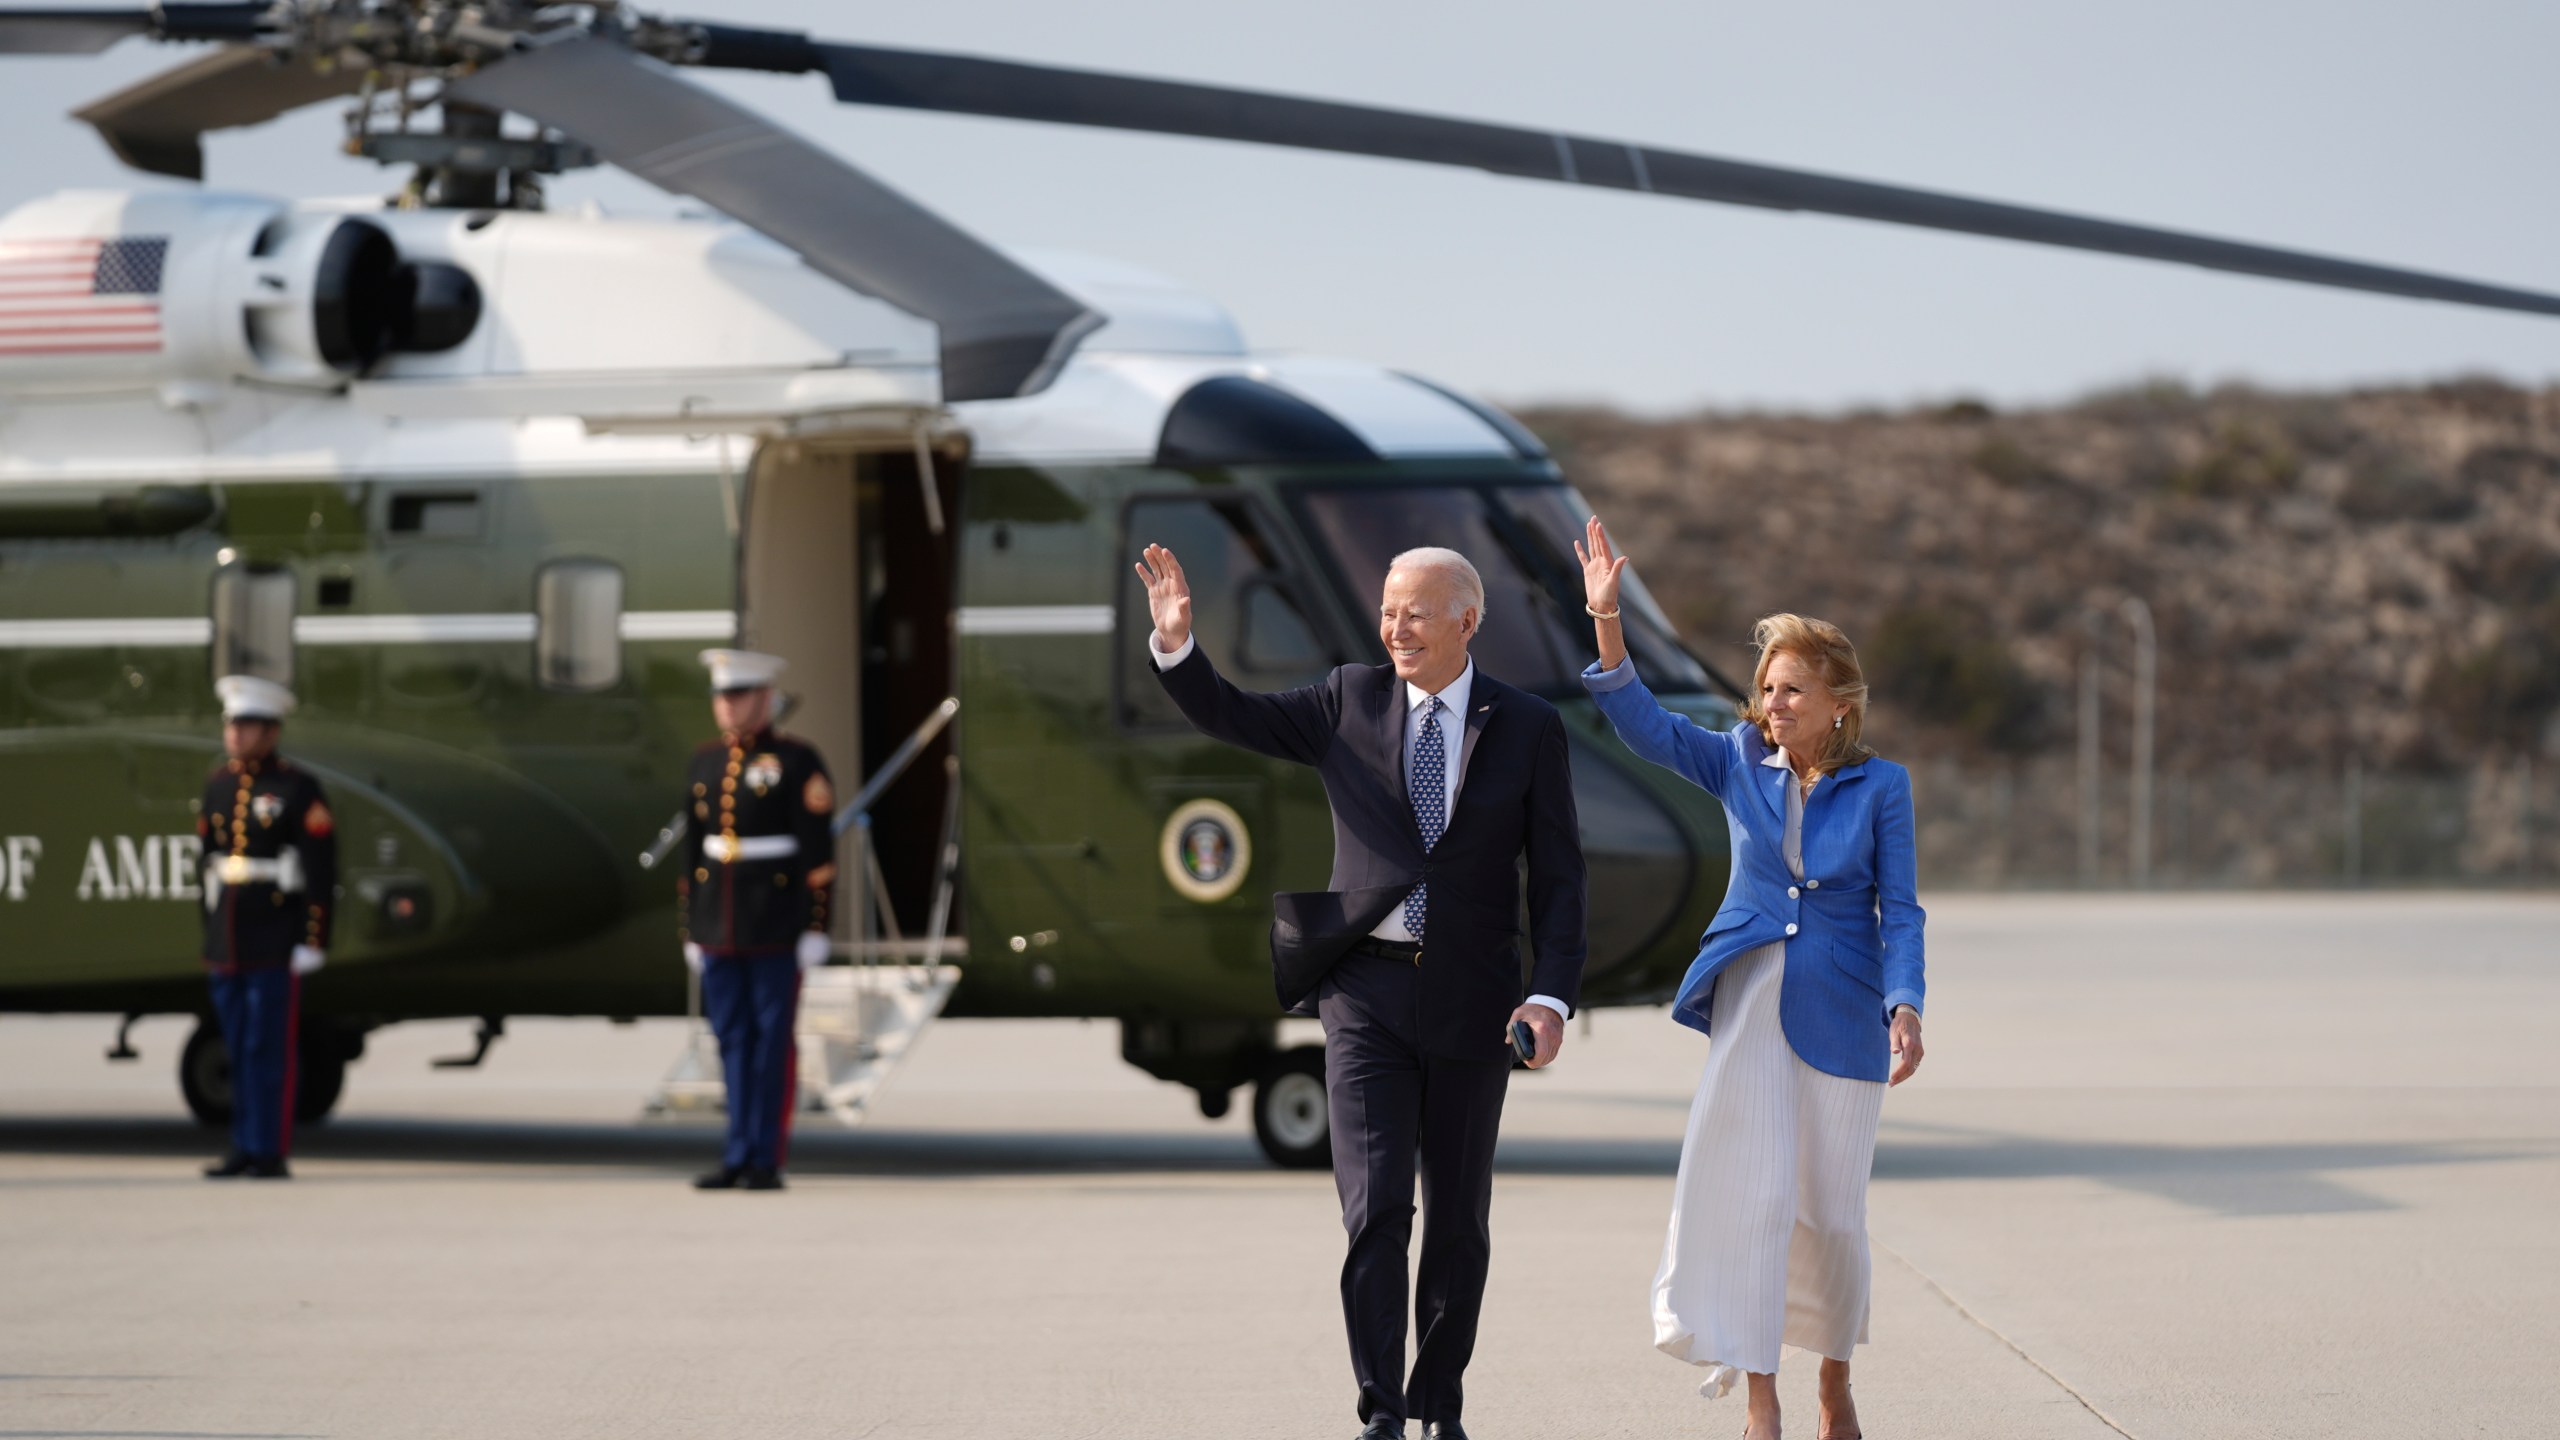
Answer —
814 948
307 958
693 957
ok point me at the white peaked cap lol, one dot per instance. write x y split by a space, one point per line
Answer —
741 669
246 697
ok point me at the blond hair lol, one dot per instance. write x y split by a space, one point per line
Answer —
1821 648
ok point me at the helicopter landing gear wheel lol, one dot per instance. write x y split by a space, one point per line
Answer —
1289 1114
204 1076
321 1079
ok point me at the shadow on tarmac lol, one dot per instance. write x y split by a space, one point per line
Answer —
2232 1180
2235 1180
815 1150
651 1150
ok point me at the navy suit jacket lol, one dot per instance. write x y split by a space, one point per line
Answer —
1516 800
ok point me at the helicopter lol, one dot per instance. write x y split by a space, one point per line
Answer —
426 459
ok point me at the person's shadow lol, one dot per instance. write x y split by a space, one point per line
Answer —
2299 1178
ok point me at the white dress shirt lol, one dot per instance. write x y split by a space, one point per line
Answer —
1453 744
1792 843
1453 741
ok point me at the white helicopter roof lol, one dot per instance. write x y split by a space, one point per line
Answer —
172 335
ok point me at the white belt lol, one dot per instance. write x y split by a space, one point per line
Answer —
750 847
284 872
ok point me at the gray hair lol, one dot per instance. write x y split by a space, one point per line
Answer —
1453 568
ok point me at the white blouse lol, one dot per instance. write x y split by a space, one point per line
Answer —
1793 845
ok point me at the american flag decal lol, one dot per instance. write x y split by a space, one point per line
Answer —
81 297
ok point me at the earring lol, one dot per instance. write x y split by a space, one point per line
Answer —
1835 722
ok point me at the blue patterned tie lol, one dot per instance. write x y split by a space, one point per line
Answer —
1430 802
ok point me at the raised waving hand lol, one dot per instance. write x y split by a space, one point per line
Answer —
1168 597
1601 568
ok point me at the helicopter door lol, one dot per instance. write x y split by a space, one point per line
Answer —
843 575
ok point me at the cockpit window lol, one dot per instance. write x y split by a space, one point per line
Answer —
1554 515
1520 540
1242 609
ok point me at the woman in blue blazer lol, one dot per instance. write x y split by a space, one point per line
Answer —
1809 983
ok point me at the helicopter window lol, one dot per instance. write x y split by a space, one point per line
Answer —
253 622
1274 636
1526 639
444 514
1242 609
577 638
1520 538
1554 516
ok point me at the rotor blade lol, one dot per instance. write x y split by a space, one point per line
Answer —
158 124
57 31
966 85
1004 330
68 32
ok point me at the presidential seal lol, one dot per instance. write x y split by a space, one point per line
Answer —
1206 851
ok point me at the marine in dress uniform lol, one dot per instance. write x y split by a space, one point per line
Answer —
270 873
759 872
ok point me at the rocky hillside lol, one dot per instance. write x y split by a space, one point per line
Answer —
2370 577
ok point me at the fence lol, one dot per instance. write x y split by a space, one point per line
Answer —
1987 824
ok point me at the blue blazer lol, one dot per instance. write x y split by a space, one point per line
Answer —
1852 929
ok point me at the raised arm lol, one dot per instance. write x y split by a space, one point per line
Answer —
1289 725
1602 567
1673 741
1168 598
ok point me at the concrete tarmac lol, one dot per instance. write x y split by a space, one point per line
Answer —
2200 1167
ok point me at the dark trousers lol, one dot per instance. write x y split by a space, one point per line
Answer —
753 1002
1395 1105
257 1010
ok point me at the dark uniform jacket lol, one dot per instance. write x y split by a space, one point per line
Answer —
267 824
755 792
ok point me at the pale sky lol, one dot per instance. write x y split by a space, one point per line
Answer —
2422 136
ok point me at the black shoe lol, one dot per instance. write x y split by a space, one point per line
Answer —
763 1180
269 1167
1383 1426
229 1167
1443 1430
724 1178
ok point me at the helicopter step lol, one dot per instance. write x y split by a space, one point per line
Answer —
857 1023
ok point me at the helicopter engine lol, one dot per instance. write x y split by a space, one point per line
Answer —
189 293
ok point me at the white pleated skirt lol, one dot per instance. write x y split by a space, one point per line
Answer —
1768 1238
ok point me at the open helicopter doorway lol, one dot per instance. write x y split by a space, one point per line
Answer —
848 571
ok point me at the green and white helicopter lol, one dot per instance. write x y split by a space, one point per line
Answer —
478 479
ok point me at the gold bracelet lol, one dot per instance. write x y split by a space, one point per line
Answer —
1596 615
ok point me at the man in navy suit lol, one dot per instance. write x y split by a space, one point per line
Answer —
1442 779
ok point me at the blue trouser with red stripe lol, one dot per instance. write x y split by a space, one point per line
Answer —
752 1000
256 1009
